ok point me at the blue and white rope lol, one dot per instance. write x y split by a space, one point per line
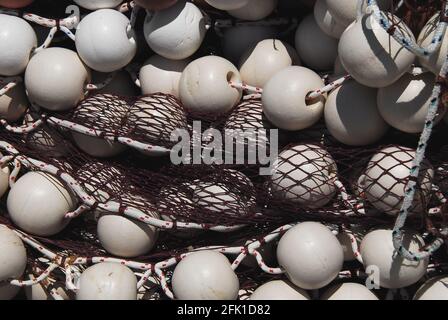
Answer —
411 186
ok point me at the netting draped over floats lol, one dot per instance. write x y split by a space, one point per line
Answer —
228 208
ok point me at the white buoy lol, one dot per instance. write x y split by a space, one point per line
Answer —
384 181
351 115
433 289
263 61
206 75
366 41
227 4
378 253
104 42
349 291
310 255
38 202
279 290
13 261
254 10
326 21
177 32
155 118
238 39
434 61
98 4
284 98
56 78
107 281
316 49
159 74
304 174
125 237
205 275
345 12
18 40
14 103
405 103
219 197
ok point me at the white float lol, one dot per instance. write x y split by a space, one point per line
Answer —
219 197
177 32
98 4
227 4
316 49
14 103
204 86
345 12
279 290
384 181
405 103
238 39
38 202
326 21
433 289
18 40
310 255
434 61
56 78
105 41
205 275
107 281
304 174
365 40
393 270
159 74
284 98
262 62
126 237
13 261
349 291
351 115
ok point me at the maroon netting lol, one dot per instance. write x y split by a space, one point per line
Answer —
305 184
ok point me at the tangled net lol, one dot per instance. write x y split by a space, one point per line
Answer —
227 208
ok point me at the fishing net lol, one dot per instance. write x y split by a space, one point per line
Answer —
229 208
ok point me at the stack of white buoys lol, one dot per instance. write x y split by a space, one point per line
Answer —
324 69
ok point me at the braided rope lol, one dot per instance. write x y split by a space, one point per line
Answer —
425 135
